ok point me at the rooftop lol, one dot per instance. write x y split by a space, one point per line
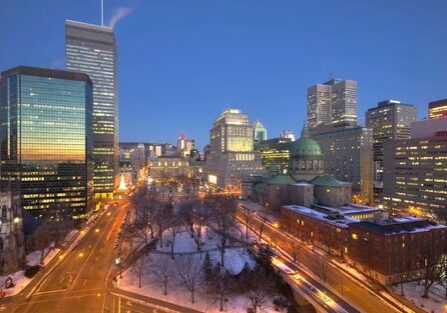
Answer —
47 72
398 225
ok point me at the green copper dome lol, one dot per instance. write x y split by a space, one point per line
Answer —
305 146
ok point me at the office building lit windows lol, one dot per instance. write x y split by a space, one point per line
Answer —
437 109
91 49
46 146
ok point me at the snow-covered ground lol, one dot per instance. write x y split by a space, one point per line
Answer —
235 260
19 278
413 292
33 258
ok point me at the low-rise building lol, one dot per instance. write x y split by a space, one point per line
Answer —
387 249
168 167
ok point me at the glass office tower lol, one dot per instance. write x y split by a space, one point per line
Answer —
46 138
91 49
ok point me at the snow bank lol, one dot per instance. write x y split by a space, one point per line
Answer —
413 292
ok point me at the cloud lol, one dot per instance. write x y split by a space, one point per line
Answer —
118 15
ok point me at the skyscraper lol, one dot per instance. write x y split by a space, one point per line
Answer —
437 109
231 153
318 105
46 138
391 119
415 170
91 49
333 102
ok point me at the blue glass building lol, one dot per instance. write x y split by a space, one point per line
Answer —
46 139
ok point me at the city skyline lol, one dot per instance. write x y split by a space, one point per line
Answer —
199 41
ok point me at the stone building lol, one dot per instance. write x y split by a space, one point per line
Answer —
12 248
305 184
231 153
386 249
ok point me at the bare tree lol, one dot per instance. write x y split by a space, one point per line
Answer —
246 217
295 249
138 267
222 212
189 274
220 285
194 215
175 227
323 268
443 270
258 287
40 240
162 215
429 260
161 272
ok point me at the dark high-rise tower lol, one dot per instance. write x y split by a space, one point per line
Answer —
91 49
46 138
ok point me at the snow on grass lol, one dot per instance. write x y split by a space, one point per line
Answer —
19 280
33 258
234 259
413 292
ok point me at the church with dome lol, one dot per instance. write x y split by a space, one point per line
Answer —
305 183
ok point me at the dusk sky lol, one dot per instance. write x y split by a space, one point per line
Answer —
181 62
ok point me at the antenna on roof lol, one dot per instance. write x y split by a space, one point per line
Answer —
102 12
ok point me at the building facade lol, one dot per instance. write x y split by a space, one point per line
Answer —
386 249
305 183
274 151
259 132
12 244
231 150
437 109
391 119
168 167
185 146
333 102
415 170
46 139
91 49
288 134
347 154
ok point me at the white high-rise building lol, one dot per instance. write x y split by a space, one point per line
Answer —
91 49
260 132
333 102
231 152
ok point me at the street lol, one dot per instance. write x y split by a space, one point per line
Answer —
79 282
351 290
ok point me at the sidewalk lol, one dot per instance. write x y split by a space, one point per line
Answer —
152 302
